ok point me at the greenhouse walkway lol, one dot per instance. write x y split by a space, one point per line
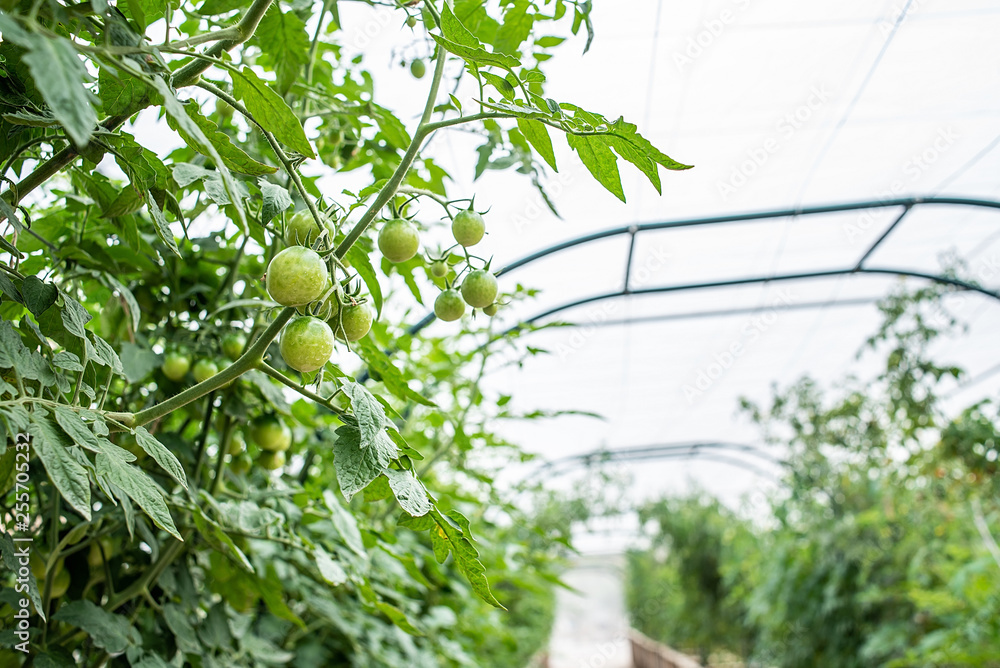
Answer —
591 627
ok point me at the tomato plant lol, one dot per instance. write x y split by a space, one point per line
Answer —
449 305
306 344
153 157
479 289
468 228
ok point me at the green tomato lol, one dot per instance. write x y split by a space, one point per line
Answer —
468 228
449 305
237 443
204 369
411 21
270 434
491 310
301 229
306 344
176 365
398 240
480 288
356 321
94 559
418 69
272 461
241 463
297 276
439 269
233 344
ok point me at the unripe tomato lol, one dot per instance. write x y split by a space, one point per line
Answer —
449 305
94 559
439 269
241 463
233 344
355 321
418 69
306 344
176 365
468 228
237 443
272 461
204 369
302 230
398 240
297 276
411 21
270 433
491 310
480 288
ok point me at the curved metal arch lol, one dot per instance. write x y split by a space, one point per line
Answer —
907 203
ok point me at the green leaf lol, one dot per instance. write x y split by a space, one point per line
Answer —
454 30
361 261
501 84
599 160
356 466
75 317
65 472
409 492
515 27
137 362
38 295
276 200
537 135
466 556
368 412
271 111
283 38
110 632
477 56
345 523
74 426
232 156
121 93
106 355
391 128
392 377
331 571
166 459
161 225
59 75
180 626
137 485
398 617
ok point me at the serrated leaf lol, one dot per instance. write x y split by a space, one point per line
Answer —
38 295
106 355
361 262
59 75
392 377
120 94
368 412
166 459
31 119
391 128
110 632
271 111
465 553
356 466
477 56
514 28
398 617
65 472
232 156
137 362
501 84
282 36
409 492
537 135
599 160
137 485
453 29
276 200
75 317
161 225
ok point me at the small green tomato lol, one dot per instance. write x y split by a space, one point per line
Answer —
449 305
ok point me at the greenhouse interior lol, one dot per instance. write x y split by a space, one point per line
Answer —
500 334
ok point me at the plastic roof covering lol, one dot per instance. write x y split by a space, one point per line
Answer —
855 100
